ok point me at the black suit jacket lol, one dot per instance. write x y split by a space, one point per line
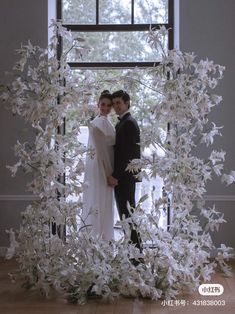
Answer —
126 147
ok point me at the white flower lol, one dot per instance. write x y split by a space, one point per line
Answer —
208 137
228 178
14 168
217 156
163 31
232 173
19 86
217 169
14 245
20 64
189 58
4 96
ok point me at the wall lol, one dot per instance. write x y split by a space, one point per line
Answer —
19 21
207 28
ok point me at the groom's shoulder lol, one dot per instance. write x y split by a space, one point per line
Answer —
131 120
129 117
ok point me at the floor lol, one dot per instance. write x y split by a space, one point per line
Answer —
15 300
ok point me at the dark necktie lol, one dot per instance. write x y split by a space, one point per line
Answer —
117 125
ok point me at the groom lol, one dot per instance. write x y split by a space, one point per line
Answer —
126 148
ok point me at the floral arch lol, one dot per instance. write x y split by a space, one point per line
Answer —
174 259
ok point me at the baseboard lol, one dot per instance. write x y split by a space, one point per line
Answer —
219 198
18 197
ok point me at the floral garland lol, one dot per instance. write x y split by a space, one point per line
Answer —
42 92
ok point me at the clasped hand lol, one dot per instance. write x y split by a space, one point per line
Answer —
112 181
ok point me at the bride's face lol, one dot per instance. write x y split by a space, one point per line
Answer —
105 106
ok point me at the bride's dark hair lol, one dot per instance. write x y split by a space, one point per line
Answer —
105 94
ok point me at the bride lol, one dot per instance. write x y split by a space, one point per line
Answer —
98 196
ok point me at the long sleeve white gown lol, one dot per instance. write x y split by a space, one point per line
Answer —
98 197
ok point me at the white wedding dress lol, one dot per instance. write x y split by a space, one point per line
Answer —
98 197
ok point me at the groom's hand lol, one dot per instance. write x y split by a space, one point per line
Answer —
112 181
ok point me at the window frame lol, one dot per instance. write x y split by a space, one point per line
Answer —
121 65
115 28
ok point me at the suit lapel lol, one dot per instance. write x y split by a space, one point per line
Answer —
119 124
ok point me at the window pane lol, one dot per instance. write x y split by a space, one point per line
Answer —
114 47
79 11
151 11
115 11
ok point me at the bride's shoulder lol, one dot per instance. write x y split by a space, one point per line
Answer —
101 120
98 122
103 124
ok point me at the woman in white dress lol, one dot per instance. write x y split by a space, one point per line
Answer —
98 196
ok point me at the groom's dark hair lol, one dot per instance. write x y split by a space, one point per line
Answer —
122 94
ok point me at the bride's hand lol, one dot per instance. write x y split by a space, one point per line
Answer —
112 181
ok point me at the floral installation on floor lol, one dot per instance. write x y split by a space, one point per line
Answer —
42 92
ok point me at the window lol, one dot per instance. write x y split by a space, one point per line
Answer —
116 32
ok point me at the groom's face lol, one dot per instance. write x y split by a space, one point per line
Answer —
120 106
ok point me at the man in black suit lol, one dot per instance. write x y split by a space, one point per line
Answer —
126 148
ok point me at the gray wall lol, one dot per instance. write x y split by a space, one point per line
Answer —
207 28
20 20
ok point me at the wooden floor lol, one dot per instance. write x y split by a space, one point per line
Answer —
15 300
